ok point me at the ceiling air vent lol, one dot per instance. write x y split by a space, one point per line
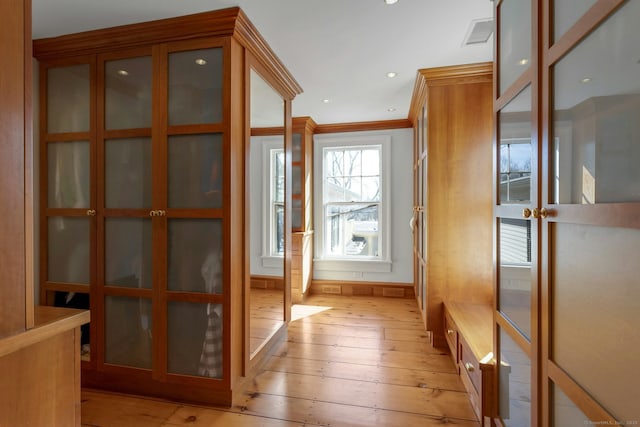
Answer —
479 31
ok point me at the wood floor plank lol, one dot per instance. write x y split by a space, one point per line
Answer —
371 331
325 318
424 401
194 416
107 409
337 415
383 375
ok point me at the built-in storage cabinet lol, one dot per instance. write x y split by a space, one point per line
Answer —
143 150
566 213
451 113
301 207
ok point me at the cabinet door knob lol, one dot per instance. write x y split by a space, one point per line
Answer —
451 331
544 213
153 213
469 367
536 213
526 213
91 212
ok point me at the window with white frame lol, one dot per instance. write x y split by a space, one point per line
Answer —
276 202
352 202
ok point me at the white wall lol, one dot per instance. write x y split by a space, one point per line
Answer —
401 203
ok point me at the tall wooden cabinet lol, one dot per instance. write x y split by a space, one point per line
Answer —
144 135
451 113
567 210
301 207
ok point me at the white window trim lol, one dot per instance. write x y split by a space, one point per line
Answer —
321 261
269 259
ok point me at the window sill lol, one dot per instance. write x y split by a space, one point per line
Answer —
367 266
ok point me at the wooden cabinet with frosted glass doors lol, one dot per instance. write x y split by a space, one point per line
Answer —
143 146
566 210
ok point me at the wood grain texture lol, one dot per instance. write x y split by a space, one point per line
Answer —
330 371
363 126
13 124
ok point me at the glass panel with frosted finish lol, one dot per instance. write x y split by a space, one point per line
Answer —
515 41
595 325
68 98
195 87
68 174
564 411
127 252
195 255
128 173
296 180
596 115
515 273
195 339
128 331
296 151
566 13
195 171
296 213
514 384
68 249
515 153
127 91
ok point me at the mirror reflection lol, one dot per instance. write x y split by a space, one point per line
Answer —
267 207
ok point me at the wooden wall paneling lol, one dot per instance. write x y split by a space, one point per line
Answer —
14 102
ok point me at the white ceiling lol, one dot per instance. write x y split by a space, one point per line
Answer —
339 50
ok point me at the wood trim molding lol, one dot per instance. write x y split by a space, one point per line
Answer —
454 74
363 126
378 289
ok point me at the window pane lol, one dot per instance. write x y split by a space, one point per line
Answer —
68 99
128 331
68 174
370 162
334 189
195 255
515 149
195 87
596 124
515 41
514 378
352 230
277 166
128 173
566 13
128 93
195 171
279 229
353 163
68 253
515 273
371 189
128 252
565 412
195 340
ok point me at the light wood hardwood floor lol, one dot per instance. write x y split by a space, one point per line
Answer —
348 361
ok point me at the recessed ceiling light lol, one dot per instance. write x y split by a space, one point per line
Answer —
586 80
201 61
391 109
326 101
391 74
391 1
523 61
123 72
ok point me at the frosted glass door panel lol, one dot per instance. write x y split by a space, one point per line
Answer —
195 87
68 249
296 180
128 252
68 97
565 412
296 214
515 41
595 288
128 173
195 339
128 331
128 93
596 126
68 174
515 273
566 13
296 151
515 154
195 255
195 171
514 377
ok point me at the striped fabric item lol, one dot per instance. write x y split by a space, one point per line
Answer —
211 357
